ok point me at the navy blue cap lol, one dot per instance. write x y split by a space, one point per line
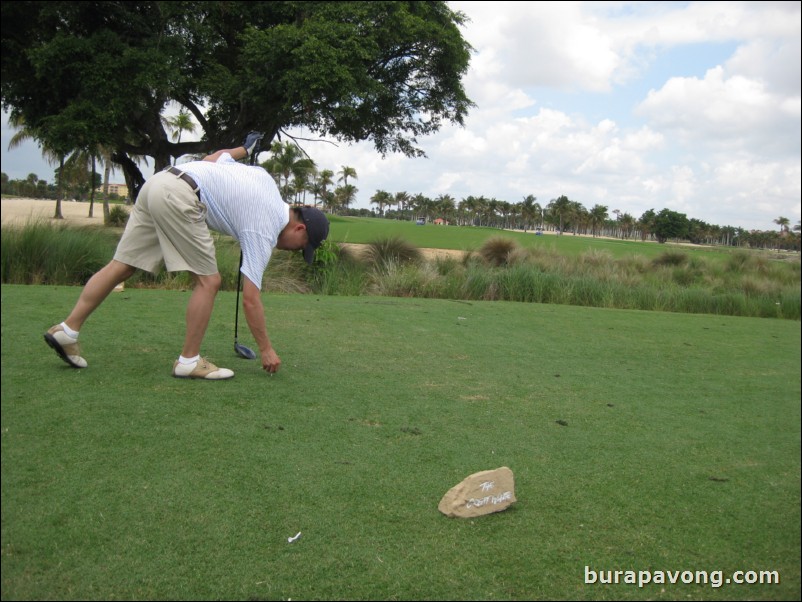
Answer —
317 228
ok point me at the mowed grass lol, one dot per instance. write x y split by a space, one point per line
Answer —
465 238
639 441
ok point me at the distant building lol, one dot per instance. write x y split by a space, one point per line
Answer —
121 190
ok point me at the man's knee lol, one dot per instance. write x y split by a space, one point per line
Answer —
211 282
121 270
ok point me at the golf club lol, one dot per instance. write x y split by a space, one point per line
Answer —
241 350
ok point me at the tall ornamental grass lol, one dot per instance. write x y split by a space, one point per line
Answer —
41 253
741 283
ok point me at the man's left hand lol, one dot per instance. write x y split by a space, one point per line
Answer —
252 142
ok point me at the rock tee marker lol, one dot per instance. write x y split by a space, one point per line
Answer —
481 493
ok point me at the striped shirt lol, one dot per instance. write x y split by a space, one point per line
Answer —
244 202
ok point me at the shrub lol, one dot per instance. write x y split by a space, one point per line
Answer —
520 283
670 258
118 217
447 265
392 250
596 258
336 271
397 279
497 250
686 276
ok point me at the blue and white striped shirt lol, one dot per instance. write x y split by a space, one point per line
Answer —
244 202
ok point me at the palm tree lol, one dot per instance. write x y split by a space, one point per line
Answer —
324 180
427 207
578 217
505 209
302 172
783 223
51 155
79 174
419 205
597 216
487 210
81 166
179 123
345 173
530 210
287 160
468 208
401 199
382 198
345 195
317 191
561 208
329 200
105 154
627 222
446 206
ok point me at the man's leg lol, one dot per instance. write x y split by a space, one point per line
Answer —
63 338
96 290
199 312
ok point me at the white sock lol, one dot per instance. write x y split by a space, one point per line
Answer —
188 360
73 334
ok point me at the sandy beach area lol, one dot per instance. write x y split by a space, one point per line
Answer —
20 210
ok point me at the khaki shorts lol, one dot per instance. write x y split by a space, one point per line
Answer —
168 224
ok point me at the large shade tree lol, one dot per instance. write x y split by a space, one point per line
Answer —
84 74
670 224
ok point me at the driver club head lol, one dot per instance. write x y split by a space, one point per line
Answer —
244 352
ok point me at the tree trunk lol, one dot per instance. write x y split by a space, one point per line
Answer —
106 175
92 189
133 177
59 193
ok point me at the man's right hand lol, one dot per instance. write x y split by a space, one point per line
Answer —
270 361
252 142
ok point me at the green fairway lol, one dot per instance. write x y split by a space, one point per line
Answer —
640 441
467 238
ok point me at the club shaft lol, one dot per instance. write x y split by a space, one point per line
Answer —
236 312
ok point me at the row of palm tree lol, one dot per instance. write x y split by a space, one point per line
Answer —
297 175
565 216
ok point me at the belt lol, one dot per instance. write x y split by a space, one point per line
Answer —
177 172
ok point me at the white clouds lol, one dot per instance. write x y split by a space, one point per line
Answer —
539 44
669 151
733 113
594 46
465 144
643 140
774 62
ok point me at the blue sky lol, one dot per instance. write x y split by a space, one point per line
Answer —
691 106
